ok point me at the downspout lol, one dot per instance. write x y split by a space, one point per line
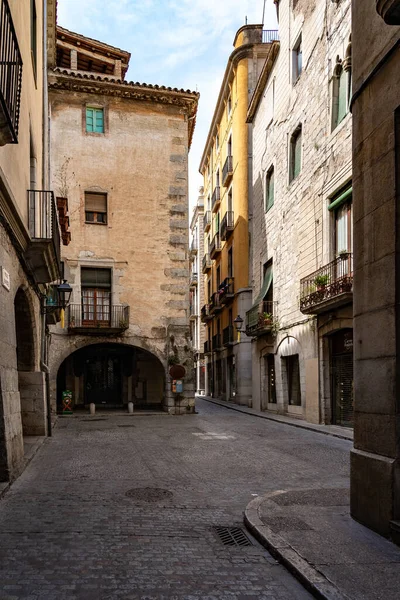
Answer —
43 365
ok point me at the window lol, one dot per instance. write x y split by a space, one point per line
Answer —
217 179
341 90
34 37
269 189
230 262
295 154
297 58
343 227
218 277
216 223
96 296
293 379
271 383
229 146
209 290
229 105
230 200
95 208
94 120
217 142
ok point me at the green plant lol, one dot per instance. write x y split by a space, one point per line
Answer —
321 280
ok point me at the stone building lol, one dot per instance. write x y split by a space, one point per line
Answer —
196 283
225 168
375 466
119 152
29 232
300 217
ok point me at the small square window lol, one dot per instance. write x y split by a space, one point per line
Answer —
95 208
94 120
297 58
269 189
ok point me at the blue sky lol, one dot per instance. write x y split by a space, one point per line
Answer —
177 43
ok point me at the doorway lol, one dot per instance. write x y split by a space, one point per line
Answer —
342 378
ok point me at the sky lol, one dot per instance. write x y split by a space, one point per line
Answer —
176 43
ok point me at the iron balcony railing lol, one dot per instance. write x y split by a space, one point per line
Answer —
207 347
226 290
328 286
228 335
216 342
103 317
43 220
205 313
261 318
227 225
227 170
193 279
215 304
207 264
216 198
216 246
207 220
10 76
270 35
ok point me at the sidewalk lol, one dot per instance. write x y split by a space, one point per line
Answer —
312 534
340 432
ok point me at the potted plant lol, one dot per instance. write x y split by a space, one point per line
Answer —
321 281
265 319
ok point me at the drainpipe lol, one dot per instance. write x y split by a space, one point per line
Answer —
43 365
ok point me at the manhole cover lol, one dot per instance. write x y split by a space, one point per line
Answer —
232 536
149 494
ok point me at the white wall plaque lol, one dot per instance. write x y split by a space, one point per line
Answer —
5 279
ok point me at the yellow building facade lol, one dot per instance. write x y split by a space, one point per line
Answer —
225 166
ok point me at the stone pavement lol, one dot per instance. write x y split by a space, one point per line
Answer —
123 507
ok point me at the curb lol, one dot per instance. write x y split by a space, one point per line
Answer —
300 425
314 581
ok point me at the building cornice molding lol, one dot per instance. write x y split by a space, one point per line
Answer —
70 81
389 10
262 81
243 52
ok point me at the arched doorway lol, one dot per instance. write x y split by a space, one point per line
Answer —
111 375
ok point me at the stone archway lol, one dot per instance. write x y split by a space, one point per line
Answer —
110 375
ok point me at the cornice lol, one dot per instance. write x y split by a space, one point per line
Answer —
389 10
66 80
262 81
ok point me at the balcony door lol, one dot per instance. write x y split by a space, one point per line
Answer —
96 297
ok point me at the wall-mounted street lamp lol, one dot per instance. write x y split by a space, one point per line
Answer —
238 323
59 298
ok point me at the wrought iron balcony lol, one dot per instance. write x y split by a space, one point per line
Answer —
216 342
261 319
228 336
227 171
43 252
328 287
207 347
215 304
269 36
193 280
216 246
205 314
207 220
216 198
226 290
207 264
10 77
98 320
227 225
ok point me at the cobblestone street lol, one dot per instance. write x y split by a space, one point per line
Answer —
74 525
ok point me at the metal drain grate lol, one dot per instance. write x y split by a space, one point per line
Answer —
232 536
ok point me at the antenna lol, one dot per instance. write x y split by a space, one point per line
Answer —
245 20
263 14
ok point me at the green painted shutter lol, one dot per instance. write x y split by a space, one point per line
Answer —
99 120
270 190
342 97
89 119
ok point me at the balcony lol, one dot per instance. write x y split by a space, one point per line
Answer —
192 313
226 290
228 336
193 248
216 342
227 171
328 287
227 225
261 319
269 36
216 246
207 347
216 198
43 252
205 314
207 220
193 281
10 78
207 264
215 304
99 320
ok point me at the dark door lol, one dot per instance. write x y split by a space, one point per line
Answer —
342 378
103 380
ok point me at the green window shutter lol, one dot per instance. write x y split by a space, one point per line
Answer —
342 97
99 120
341 199
297 155
269 190
89 119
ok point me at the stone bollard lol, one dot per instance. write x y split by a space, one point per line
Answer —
130 408
92 407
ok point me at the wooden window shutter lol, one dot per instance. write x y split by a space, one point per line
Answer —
89 119
99 120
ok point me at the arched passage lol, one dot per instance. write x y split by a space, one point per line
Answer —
111 375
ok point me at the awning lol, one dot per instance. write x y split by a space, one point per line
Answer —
339 200
265 286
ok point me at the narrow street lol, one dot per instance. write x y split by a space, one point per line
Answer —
118 506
